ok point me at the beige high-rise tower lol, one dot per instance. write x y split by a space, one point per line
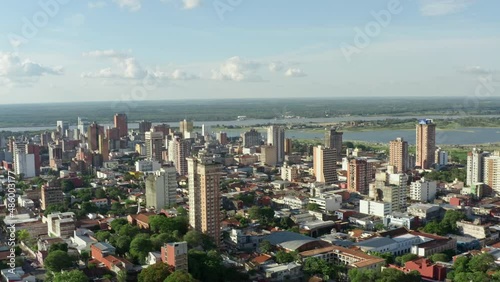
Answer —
398 154
324 164
426 143
333 139
205 196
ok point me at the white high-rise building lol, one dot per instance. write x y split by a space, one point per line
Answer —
492 173
423 190
475 162
24 163
161 188
154 145
276 137
325 164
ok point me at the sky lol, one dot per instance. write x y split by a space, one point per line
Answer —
133 50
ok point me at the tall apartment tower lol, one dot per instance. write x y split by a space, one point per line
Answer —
251 138
333 139
325 164
222 138
50 195
94 131
183 151
475 161
185 126
398 154
24 163
492 173
268 155
121 123
161 188
82 125
62 127
359 176
205 197
144 126
288 146
276 137
175 255
426 143
154 145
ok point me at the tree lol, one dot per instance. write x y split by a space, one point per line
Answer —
118 223
265 246
195 238
85 256
89 207
102 236
439 257
180 276
23 235
67 185
389 257
392 275
313 207
285 257
181 211
481 263
58 247
99 193
57 261
155 273
314 266
407 257
254 212
140 247
356 275
129 230
121 276
71 276
55 208
158 240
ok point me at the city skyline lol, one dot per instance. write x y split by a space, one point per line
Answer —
301 55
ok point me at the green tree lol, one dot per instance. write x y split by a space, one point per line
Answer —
140 247
85 256
440 257
315 266
67 185
180 276
99 193
23 235
481 263
195 238
129 230
265 246
102 236
286 257
118 223
392 275
57 261
407 257
58 247
357 275
70 276
121 276
155 273
313 207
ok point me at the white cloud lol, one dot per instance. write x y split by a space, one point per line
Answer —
276 66
191 4
175 75
443 7
97 4
295 72
23 72
131 5
237 69
107 54
476 70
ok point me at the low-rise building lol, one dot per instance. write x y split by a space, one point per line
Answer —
350 257
330 204
379 209
282 272
61 224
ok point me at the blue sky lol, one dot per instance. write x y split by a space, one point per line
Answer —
109 50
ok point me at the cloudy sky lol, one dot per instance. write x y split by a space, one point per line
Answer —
108 50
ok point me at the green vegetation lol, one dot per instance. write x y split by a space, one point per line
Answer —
70 276
475 269
207 266
445 226
387 275
57 261
316 266
313 207
446 175
286 257
263 214
155 273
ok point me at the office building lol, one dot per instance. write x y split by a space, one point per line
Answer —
426 143
288 146
175 255
145 126
179 149
423 190
82 125
205 197
62 127
359 176
121 123
492 173
154 145
391 188
325 164
61 224
222 138
94 131
441 157
475 161
161 188
50 195
398 155
276 137
375 208
185 127
333 140
268 155
289 173
251 138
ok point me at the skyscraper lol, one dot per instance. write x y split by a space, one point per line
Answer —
185 127
144 126
94 131
492 173
205 197
359 176
161 188
222 138
183 150
475 161
251 138
426 143
398 155
288 146
276 137
83 125
333 139
154 145
62 127
121 123
325 162
268 155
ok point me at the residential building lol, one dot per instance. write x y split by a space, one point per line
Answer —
426 143
144 126
94 131
351 258
204 196
492 173
474 229
398 219
276 137
333 140
391 188
82 125
441 157
289 173
398 155
359 176
379 209
295 202
288 146
475 163
154 145
50 195
61 224
105 254
62 127
185 127
423 190
147 165
175 255
222 138
268 155
331 204
282 272
121 123
325 165
251 138
427 269
161 188
425 212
